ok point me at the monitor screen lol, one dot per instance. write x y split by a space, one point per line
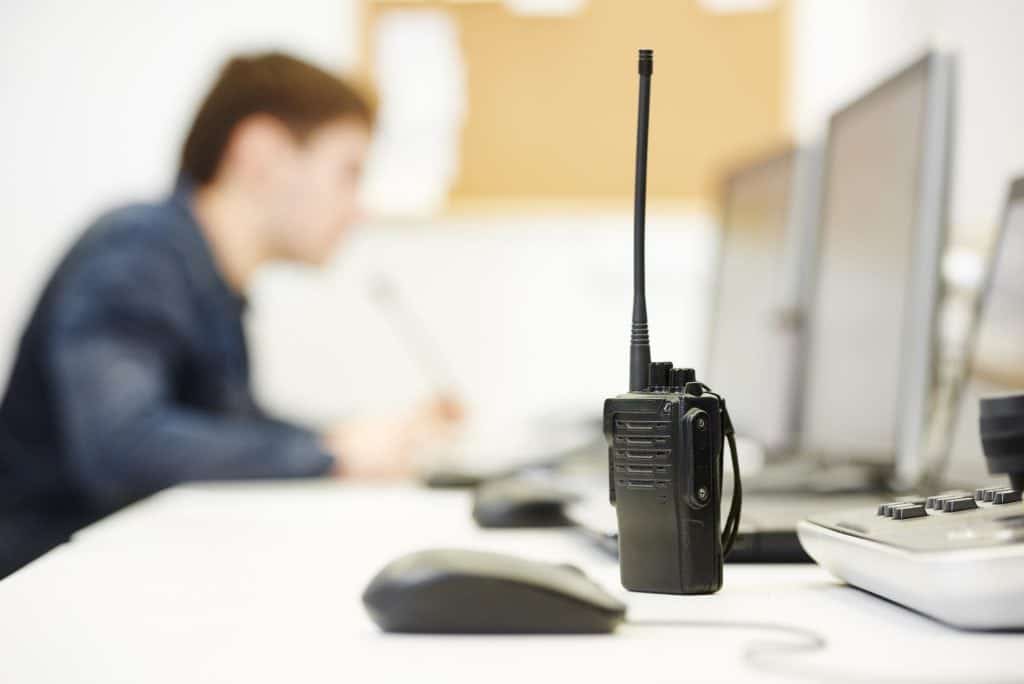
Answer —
872 242
750 344
997 355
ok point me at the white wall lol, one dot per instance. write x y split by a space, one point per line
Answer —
530 311
96 100
841 48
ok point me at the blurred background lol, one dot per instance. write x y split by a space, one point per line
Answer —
499 193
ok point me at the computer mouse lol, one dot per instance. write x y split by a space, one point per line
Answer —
452 478
452 591
519 502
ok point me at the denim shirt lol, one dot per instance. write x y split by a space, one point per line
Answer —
133 376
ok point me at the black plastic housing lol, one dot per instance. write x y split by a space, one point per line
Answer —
1001 424
665 481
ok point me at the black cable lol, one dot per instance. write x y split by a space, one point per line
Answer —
732 521
758 655
767 657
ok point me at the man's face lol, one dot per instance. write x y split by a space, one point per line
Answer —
318 187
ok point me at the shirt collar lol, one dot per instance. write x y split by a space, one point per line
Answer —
200 253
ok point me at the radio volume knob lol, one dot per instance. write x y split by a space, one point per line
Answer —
659 374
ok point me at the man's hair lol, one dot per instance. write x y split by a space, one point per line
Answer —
296 93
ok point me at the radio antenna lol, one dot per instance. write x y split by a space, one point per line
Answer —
639 341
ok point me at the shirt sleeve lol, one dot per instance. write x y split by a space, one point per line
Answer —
119 334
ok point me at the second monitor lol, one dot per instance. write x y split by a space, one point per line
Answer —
768 209
871 360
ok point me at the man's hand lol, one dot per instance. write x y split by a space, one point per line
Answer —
386 447
437 418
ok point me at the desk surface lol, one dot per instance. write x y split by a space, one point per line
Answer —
261 583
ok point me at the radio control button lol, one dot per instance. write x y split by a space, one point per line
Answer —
682 376
658 374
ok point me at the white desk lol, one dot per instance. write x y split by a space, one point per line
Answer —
261 583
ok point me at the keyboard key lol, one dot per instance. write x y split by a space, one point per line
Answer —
1005 496
985 493
886 508
908 511
939 500
956 505
896 507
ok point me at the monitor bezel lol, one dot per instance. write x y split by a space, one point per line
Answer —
918 353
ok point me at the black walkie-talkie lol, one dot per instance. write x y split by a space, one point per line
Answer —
665 440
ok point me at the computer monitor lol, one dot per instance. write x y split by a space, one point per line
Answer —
995 359
871 335
759 293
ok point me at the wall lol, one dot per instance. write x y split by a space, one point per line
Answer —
841 48
529 310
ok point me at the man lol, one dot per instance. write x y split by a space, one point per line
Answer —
132 374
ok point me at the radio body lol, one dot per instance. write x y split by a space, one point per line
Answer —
665 480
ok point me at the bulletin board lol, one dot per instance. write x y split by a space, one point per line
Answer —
551 100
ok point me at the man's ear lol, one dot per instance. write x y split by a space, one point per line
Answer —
259 145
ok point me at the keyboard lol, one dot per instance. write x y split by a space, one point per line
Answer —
956 556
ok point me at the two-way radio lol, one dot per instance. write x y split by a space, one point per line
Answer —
665 439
